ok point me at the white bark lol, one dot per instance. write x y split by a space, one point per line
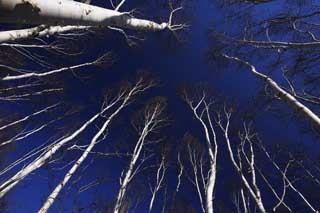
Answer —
140 86
19 176
193 160
27 117
212 146
159 181
281 93
44 74
65 12
255 194
52 197
151 122
23 135
289 182
245 209
39 31
180 172
130 171
26 96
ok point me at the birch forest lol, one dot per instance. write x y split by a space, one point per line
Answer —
169 106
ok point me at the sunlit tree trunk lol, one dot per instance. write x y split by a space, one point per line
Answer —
151 120
288 181
161 172
253 190
52 197
39 31
65 12
200 105
42 159
281 93
139 87
106 58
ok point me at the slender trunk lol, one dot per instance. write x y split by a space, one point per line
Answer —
19 176
212 149
150 123
129 173
281 93
212 177
152 201
210 188
52 197
254 196
159 180
245 210
39 31
45 74
27 117
123 189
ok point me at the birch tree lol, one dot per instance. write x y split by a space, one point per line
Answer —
39 77
72 15
281 93
253 189
147 122
249 141
243 150
288 184
280 49
68 21
200 103
197 158
159 182
124 94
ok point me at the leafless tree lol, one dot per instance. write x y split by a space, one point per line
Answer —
70 16
200 103
287 41
197 159
124 97
146 122
159 182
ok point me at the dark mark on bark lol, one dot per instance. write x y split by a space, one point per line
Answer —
29 6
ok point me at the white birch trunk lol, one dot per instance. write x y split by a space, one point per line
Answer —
210 188
255 196
159 180
212 154
19 176
52 197
140 86
65 12
130 171
27 117
151 122
39 31
281 93
45 74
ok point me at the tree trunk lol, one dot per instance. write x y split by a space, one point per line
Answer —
281 93
65 12
52 197
39 31
19 176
